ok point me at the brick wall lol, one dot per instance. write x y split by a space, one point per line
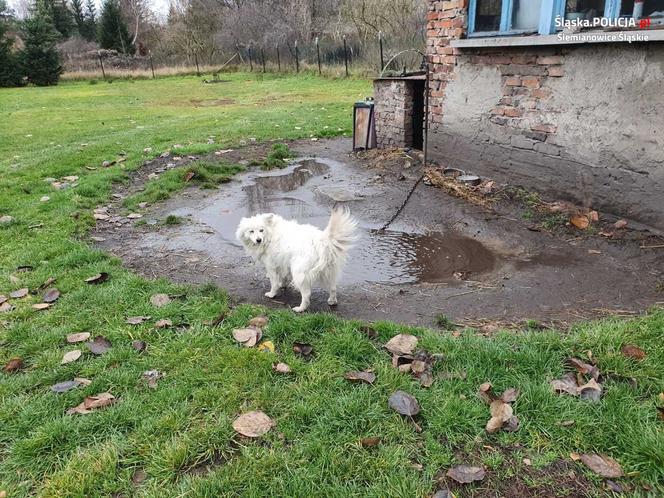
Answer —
394 112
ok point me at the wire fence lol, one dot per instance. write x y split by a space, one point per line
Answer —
341 57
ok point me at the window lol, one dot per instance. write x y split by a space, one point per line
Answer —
514 17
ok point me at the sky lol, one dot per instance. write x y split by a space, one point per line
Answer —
160 7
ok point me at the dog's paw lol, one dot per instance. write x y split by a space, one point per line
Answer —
270 294
332 302
299 309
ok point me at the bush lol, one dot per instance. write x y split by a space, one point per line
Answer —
10 68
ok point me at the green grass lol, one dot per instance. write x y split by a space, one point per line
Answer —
172 432
277 156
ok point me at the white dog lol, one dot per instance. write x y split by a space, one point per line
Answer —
296 254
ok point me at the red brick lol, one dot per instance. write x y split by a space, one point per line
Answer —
513 112
524 59
541 93
550 60
530 81
432 16
513 81
545 128
499 111
556 71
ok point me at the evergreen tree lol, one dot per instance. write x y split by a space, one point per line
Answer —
40 58
10 69
112 31
79 16
90 21
59 14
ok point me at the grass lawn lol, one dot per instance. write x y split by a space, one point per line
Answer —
177 439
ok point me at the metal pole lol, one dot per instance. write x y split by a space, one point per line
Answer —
263 58
346 56
278 59
426 114
151 64
380 42
101 61
297 58
318 53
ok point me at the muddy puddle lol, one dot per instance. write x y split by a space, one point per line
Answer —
306 192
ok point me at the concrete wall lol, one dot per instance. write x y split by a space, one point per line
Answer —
583 123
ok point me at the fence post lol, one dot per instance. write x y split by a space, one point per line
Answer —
380 42
198 71
151 63
251 62
263 58
318 55
278 59
101 61
346 56
297 58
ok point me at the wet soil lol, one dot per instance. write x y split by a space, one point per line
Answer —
441 255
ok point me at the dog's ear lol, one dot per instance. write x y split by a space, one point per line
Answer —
269 218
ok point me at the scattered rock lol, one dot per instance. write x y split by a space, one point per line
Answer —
139 346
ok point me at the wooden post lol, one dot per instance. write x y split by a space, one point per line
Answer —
380 42
198 71
151 64
251 62
263 58
297 58
101 62
346 56
318 54
278 59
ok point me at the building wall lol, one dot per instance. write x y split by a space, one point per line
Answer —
584 123
394 112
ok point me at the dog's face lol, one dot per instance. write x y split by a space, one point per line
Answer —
254 232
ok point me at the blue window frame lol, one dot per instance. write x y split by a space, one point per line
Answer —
550 10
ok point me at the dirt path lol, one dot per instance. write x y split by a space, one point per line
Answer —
441 255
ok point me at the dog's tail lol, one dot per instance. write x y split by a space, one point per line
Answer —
338 238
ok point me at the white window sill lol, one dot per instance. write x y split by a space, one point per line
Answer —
585 37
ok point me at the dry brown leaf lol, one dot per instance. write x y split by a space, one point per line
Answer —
71 356
163 324
465 474
418 366
584 368
258 321
90 403
510 395
404 404
47 282
13 365
370 442
139 345
97 279
6 307
401 344
83 381
620 224
494 425
281 368
160 300
661 397
79 337
137 320
579 221
18 294
51 296
566 384
355 376
485 393
602 465
512 424
41 306
590 391
593 216
575 456
99 345
253 424
632 351
501 410
303 349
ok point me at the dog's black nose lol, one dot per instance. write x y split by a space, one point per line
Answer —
258 241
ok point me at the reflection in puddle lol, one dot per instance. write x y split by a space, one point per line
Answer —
379 256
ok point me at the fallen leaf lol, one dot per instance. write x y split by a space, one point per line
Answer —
139 345
3 299
584 368
83 381
465 473
13 365
6 307
162 324
567 384
100 216
189 176
138 477
602 465
266 347
99 345
356 376
18 294
99 278
258 322
302 349
246 336
137 320
591 391
80 337
370 442
160 300
404 404
63 387
426 379
620 224
631 351
512 424
661 396
660 412
485 393
593 216
41 306
253 424
418 367
575 456
281 368
567 423
71 356
401 344
49 281
494 425
510 395
501 410
51 296
151 377
613 486
443 493
580 222
134 216
369 331
90 403
527 461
